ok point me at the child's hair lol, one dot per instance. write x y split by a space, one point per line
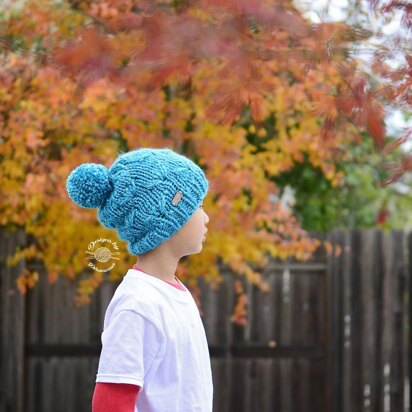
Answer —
147 194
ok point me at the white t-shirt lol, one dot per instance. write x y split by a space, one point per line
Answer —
154 337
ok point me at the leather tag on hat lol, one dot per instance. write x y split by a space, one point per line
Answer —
177 198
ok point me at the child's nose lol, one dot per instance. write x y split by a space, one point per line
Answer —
206 217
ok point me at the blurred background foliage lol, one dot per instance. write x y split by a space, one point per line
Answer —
278 110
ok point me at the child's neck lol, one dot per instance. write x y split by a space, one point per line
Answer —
159 269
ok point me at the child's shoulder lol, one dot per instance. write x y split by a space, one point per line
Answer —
137 297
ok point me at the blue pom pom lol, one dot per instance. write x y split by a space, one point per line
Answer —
89 185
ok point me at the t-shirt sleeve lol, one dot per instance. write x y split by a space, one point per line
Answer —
130 344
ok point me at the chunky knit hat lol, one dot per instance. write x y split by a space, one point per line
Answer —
147 194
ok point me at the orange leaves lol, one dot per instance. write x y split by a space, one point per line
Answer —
27 280
332 249
239 316
87 287
117 14
33 139
35 183
325 107
282 17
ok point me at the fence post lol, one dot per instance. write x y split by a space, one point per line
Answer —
12 326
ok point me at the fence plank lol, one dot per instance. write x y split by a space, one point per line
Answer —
335 276
12 322
346 345
262 322
60 384
379 276
368 296
357 322
398 276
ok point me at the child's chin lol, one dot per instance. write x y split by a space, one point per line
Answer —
195 252
200 248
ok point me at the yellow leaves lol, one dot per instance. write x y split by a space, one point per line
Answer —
262 132
274 160
201 14
12 170
21 254
337 179
240 204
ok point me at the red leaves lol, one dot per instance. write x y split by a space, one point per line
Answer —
242 44
175 42
396 143
397 170
234 34
345 105
357 102
171 47
375 125
88 59
226 106
230 99
404 6
382 217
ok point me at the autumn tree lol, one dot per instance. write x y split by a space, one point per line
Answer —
245 88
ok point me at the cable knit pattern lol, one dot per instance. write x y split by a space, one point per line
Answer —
135 194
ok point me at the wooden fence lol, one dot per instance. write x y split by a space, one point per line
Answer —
332 335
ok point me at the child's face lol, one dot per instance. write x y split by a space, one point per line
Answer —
189 239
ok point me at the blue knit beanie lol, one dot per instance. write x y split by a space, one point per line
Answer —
147 194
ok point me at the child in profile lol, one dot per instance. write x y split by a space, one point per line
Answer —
155 356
